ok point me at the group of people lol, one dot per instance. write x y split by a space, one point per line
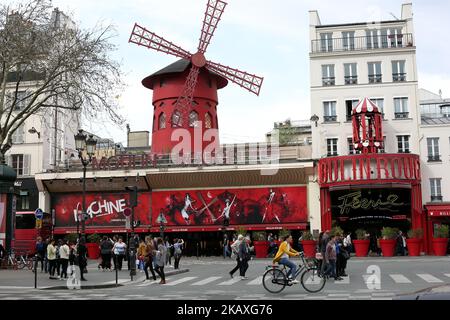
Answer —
334 251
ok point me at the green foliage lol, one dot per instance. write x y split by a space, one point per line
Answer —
283 233
361 234
259 236
442 231
415 234
336 231
389 233
307 236
72 237
241 230
93 238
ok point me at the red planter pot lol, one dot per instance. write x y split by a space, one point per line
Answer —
361 247
93 250
388 247
414 246
261 248
440 246
309 248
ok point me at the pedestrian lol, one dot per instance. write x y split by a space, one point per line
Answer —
160 259
323 242
105 251
58 257
64 252
72 256
226 247
347 242
46 263
3 251
141 255
401 244
244 256
234 254
119 250
40 252
300 244
330 259
82 257
168 255
178 251
342 255
272 250
148 257
51 257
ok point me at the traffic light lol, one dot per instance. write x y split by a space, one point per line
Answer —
133 195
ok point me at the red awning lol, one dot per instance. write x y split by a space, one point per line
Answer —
438 210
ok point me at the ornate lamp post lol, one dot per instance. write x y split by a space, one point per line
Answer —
86 149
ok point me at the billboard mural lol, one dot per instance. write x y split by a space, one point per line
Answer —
103 209
277 205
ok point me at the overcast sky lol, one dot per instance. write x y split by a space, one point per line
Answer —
267 37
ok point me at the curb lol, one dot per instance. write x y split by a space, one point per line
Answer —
113 285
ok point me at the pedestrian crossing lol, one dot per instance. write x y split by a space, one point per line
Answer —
399 279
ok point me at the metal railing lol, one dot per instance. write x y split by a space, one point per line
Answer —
330 81
434 158
375 78
351 80
436 198
399 77
362 43
401 115
330 118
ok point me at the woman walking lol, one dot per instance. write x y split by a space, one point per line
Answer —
244 256
51 256
148 257
64 252
105 250
119 250
234 253
178 250
82 257
160 260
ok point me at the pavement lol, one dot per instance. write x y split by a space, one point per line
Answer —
369 278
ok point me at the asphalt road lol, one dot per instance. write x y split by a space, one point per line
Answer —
208 279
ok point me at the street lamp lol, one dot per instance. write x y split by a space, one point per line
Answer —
315 119
86 149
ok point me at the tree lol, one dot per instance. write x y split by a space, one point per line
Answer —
68 67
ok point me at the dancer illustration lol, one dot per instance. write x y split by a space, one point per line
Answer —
226 211
187 206
270 203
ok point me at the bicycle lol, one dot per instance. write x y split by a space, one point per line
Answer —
9 261
25 261
275 278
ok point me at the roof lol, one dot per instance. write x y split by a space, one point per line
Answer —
180 66
435 121
358 24
366 105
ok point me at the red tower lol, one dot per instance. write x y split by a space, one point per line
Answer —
367 127
186 91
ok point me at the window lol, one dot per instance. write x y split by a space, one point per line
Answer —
162 121
20 163
21 100
193 118
401 108
433 149
395 38
176 119
19 135
398 71
24 201
328 78
351 147
372 39
350 105
380 104
445 111
383 147
25 221
436 194
332 147
403 144
351 76
349 40
326 42
330 111
375 75
208 121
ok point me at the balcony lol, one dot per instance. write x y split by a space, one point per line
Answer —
330 81
399 77
375 78
434 158
330 119
362 43
351 80
436 198
401 115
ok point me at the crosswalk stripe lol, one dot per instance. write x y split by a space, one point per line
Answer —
399 278
257 281
229 282
148 283
205 281
429 278
447 275
185 279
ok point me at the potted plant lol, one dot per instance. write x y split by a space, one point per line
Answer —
440 240
336 231
93 246
309 244
260 244
414 242
72 237
361 244
388 241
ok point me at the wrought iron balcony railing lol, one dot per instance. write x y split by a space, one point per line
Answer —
375 78
399 77
351 80
330 81
330 118
436 198
434 158
362 43
401 115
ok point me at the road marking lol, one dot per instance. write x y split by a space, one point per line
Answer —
229 282
97 295
256 282
205 281
185 279
399 278
148 283
447 275
429 278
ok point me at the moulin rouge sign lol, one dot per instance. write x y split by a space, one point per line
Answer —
339 170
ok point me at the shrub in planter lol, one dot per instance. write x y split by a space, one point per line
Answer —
92 245
309 245
72 237
388 241
361 243
414 242
336 231
260 244
440 240
283 233
241 230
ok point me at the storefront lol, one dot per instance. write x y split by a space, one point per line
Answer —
437 215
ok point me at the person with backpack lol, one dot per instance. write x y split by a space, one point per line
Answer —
178 250
234 254
119 250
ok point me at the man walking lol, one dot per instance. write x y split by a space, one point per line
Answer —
244 256
234 253
330 258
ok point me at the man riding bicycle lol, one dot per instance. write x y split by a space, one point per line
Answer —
282 257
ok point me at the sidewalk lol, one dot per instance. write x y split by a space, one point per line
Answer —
96 279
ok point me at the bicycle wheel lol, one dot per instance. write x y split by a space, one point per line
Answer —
274 280
30 264
312 281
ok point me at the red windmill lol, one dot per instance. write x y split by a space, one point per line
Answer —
184 95
367 127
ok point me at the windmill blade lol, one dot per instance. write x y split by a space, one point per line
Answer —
247 81
148 39
214 11
184 101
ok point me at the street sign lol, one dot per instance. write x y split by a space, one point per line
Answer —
39 214
161 218
127 212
